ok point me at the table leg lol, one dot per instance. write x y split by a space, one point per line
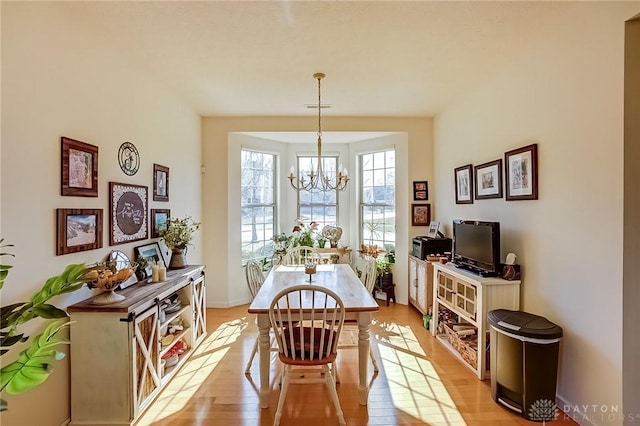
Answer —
264 355
364 323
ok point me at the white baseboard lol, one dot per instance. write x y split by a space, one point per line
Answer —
590 415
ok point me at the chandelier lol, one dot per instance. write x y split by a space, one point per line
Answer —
318 179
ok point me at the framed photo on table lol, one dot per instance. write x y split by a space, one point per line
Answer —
521 173
159 222
79 168
128 207
160 183
420 190
488 180
420 214
151 252
464 184
78 230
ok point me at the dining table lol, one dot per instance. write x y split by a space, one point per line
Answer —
340 278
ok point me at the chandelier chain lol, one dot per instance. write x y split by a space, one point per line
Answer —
318 179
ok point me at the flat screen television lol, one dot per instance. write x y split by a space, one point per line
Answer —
476 246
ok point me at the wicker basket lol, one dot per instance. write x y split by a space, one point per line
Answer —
465 345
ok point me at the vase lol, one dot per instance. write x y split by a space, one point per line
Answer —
178 259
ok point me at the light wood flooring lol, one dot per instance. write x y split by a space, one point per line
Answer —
419 383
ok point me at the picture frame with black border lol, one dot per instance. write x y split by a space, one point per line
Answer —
159 221
420 190
464 184
420 214
160 183
151 252
521 173
488 180
78 230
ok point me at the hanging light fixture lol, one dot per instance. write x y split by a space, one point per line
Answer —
318 179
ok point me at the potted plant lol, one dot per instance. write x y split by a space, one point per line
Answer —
385 273
178 237
141 269
34 363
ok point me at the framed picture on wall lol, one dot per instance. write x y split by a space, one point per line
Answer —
159 222
488 180
420 190
160 183
464 184
521 173
78 230
79 168
420 214
128 207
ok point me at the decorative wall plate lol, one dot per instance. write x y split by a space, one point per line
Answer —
128 158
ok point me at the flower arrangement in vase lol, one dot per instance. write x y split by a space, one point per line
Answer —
303 235
178 237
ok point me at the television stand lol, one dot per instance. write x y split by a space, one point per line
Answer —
461 296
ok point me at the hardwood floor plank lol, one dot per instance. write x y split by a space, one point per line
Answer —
419 383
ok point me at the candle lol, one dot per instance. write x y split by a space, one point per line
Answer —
162 271
155 273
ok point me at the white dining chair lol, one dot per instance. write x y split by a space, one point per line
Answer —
255 278
312 345
302 254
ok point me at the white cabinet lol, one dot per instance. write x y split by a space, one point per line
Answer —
117 350
462 301
420 284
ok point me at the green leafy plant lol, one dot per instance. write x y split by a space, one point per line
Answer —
180 232
34 364
4 269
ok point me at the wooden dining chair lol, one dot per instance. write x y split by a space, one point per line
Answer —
301 254
312 344
349 336
255 278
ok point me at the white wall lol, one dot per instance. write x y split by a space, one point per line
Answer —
221 150
566 95
59 80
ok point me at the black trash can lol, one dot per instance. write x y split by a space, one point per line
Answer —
524 363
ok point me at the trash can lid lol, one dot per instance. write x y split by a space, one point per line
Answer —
524 324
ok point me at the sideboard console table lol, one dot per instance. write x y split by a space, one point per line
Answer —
123 354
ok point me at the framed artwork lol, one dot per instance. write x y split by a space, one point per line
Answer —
464 184
420 214
78 230
159 222
488 180
433 229
160 183
420 190
151 252
79 168
128 207
521 173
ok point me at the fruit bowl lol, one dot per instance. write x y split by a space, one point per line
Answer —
105 277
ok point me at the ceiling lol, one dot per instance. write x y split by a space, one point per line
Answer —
391 58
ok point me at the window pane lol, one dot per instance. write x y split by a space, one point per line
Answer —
377 207
258 209
317 205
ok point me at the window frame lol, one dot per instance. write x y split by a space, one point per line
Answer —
362 204
335 158
273 205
